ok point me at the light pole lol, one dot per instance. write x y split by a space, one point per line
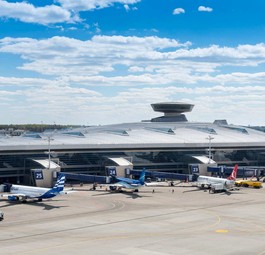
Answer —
210 138
49 150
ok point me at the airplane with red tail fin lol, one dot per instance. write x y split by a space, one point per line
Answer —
218 184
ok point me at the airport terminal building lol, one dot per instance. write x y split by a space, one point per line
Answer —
168 143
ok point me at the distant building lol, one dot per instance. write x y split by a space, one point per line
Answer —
167 143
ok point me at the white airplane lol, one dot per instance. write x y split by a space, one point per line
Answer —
127 183
18 192
216 183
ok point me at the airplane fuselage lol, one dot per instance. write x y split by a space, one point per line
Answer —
31 192
208 181
21 192
128 183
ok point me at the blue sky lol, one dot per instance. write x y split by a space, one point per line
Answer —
105 61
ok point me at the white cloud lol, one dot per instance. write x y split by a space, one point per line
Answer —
178 11
159 60
23 82
85 5
26 12
205 9
97 28
60 55
66 12
136 69
63 102
126 7
149 69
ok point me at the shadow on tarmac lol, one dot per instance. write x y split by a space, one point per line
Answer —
132 195
32 203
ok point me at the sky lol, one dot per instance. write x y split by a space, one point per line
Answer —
97 62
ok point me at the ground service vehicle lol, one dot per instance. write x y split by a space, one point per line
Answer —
1 216
248 183
217 187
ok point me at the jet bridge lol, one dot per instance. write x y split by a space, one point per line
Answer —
87 178
164 175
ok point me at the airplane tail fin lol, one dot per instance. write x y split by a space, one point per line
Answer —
232 176
142 177
59 185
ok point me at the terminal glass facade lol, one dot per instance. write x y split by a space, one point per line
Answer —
15 167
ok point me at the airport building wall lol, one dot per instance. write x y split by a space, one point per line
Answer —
166 144
16 167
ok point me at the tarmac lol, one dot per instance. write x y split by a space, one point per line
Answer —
170 220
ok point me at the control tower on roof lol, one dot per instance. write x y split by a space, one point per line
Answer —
173 111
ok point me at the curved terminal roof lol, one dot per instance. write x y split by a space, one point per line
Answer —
141 135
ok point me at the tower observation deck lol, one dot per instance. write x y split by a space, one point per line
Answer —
173 111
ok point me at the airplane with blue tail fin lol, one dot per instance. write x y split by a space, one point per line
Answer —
21 192
122 183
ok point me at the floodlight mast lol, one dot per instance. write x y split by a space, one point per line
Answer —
210 138
49 150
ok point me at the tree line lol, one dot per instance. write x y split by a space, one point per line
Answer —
35 127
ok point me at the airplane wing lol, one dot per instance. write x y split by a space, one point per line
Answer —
204 184
122 185
22 196
14 196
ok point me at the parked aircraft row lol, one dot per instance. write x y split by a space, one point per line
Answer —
20 192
